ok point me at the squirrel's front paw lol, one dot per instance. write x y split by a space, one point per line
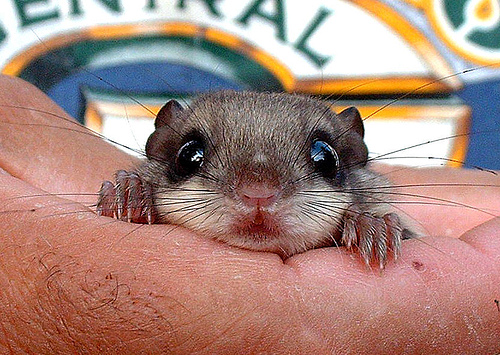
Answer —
129 198
375 237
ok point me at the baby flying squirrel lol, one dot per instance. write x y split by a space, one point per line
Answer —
262 171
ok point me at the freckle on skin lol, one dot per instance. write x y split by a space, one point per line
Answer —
417 265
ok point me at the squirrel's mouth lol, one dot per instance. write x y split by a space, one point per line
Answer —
259 226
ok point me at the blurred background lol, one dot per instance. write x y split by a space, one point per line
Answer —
424 74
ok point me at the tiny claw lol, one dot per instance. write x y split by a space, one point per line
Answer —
134 198
121 191
394 232
380 241
366 235
349 236
119 209
148 201
105 203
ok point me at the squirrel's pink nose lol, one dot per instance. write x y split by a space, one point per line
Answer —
258 195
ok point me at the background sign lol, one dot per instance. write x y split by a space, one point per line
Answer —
405 64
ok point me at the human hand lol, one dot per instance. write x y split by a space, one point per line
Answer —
75 282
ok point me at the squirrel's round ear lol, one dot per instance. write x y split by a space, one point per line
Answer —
352 117
168 113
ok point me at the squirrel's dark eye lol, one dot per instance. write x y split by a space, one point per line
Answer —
190 157
324 158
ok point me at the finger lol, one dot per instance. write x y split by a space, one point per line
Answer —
39 138
445 201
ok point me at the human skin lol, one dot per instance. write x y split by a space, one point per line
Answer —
73 282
